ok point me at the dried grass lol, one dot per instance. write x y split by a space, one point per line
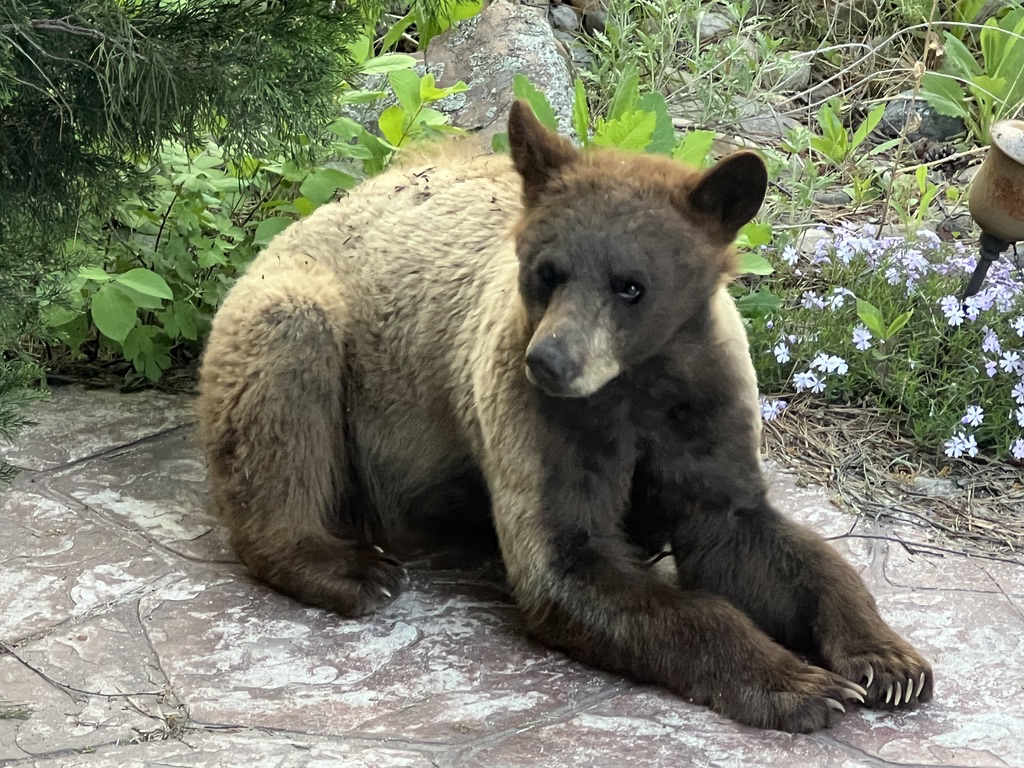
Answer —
874 470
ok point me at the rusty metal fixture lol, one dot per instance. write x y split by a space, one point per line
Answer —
996 201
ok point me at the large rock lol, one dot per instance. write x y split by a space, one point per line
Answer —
487 52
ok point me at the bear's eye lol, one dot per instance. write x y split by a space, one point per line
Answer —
627 289
550 275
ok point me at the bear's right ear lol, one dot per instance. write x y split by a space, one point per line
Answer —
537 153
730 193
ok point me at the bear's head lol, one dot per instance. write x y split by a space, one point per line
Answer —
619 253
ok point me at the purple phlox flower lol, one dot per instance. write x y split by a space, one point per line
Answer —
811 300
862 338
984 299
769 324
781 352
991 342
838 297
990 368
974 417
1017 449
1018 325
772 409
915 262
1019 415
928 238
805 380
790 255
961 443
792 338
953 310
1018 391
893 276
1010 362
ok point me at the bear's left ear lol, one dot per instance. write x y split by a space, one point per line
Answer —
537 153
730 193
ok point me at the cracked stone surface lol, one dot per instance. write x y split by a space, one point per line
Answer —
132 637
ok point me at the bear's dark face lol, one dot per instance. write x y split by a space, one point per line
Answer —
606 282
619 254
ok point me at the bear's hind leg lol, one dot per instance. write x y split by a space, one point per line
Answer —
272 417
801 592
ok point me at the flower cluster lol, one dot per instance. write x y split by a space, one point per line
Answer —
879 320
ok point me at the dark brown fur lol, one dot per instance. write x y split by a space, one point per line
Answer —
557 339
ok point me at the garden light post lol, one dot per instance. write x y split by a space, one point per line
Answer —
996 201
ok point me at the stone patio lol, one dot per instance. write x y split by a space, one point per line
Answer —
131 637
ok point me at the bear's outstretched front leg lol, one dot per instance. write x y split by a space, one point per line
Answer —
271 413
557 501
800 591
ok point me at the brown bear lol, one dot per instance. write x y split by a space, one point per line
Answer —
542 344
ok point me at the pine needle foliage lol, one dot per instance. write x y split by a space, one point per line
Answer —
90 88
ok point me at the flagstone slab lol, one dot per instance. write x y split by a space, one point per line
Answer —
131 636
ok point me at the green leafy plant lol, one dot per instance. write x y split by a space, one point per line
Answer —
877 322
981 93
157 271
411 119
842 149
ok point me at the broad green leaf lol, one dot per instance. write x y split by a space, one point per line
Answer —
694 148
580 112
866 127
663 140
395 33
944 94
754 234
146 282
754 264
758 303
360 48
96 274
406 85
387 62
898 323
113 312
268 228
392 124
632 131
499 143
872 318
959 60
321 185
538 102
429 92
626 93
303 206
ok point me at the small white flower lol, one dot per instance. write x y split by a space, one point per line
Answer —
1017 449
804 380
772 409
1010 361
781 352
1019 414
991 342
862 338
974 417
953 310
1018 391
790 255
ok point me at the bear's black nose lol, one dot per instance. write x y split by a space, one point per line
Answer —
552 369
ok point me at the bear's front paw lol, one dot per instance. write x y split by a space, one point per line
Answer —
792 696
894 674
348 576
